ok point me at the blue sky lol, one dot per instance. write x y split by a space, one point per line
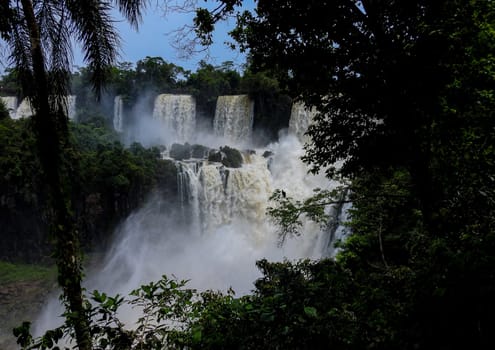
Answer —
154 39
155 35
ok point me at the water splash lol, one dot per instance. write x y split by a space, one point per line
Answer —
226 228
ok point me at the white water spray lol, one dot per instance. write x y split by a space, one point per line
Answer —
11 104
216 232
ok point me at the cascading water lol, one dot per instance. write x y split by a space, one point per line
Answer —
300 118
217 230
228 194
24 110
187 184
71 107
118 114
178 113
234 118
11 104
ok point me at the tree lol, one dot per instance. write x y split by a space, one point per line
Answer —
381 73
9 83
155 74
38 35
209 82
405 95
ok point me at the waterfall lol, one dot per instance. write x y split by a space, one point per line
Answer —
227 195
118 114
218 228
234 118
25 110
188 186
11 104
178 113
71 107
300 118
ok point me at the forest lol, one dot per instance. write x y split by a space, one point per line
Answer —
405 98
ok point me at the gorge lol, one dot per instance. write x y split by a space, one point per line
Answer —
217 228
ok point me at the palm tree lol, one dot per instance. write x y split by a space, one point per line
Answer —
38 34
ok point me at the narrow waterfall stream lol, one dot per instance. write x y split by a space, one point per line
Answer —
118 114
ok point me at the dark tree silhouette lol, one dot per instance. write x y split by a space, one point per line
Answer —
38 35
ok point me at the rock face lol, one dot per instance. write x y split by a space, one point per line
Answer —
229 157
180 152
20 301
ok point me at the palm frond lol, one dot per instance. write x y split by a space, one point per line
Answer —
55 36
132 10
93 26
20 53
5 19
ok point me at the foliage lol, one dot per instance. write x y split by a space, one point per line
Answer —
303 305
271 104
153 74
135 83
4 112
113 180
288 213
23 205
110 181
39 37
404 91
383 75
165 306
209 82
10 85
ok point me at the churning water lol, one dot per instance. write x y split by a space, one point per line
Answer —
226 228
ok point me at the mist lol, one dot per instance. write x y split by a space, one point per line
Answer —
226 228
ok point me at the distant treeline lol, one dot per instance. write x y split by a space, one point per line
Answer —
138 84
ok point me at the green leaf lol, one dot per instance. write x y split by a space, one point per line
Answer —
310 311
196 335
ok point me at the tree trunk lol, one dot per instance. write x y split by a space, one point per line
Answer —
51 138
